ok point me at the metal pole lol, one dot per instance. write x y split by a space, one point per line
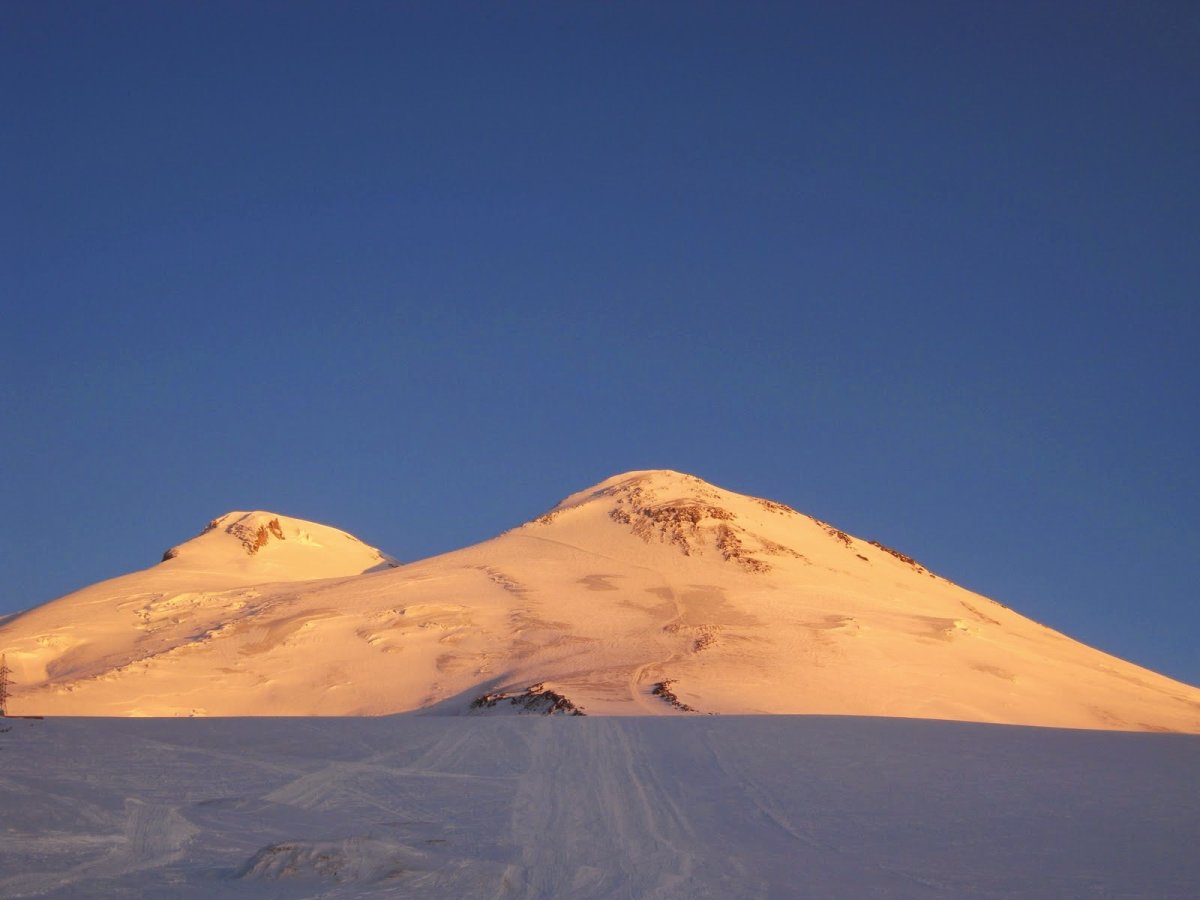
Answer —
4 670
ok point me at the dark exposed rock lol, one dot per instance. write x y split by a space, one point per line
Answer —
835 533
903 557
663 691
773 506
703 636
254 540
536 698
732 549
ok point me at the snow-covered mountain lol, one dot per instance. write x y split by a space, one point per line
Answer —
649 593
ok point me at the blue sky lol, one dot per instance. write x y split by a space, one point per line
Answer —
928 271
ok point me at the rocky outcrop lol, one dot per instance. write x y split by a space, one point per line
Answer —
904 558
663 691
677 522
254 539
536 698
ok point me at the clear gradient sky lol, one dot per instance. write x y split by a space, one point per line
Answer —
928 271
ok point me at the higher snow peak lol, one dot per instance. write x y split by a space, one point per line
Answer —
665 484
684 514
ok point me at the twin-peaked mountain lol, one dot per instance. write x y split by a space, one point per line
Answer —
650 593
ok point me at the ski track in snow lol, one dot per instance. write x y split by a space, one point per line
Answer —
153 836
603 776
550 807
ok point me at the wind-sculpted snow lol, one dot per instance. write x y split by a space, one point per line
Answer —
651 593
559 806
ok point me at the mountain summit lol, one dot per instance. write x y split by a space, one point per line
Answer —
695 519
265 544
650 593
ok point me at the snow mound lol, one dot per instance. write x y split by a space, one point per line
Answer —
361 860
293 548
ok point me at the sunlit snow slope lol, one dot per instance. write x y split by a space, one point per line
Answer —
650 593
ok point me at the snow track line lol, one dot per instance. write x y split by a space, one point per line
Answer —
575 813
154 835
581 550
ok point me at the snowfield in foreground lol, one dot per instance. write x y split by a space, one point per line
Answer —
561 806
